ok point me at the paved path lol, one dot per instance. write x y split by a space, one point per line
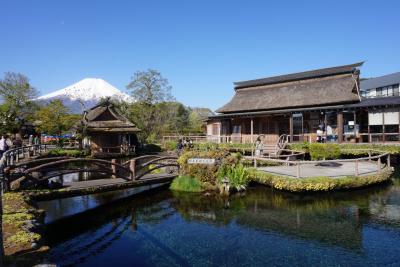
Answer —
311 170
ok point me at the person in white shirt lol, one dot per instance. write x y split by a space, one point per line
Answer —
3 145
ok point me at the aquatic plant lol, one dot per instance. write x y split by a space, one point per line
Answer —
237 175
187 184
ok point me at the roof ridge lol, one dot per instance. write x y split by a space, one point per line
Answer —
299 75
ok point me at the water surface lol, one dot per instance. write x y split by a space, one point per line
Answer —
262 227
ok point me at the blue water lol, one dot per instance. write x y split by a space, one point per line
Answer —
262 227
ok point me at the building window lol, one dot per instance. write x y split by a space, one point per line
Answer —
396 90
391 90
236 129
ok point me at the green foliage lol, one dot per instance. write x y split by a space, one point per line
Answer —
237 174
149 87
300 146
203 172
155 112
15 94
170 145
66 152
54 118
225 146
352 149
324 151
316 184
361 149
187 184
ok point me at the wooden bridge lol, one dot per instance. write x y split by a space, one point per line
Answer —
20 170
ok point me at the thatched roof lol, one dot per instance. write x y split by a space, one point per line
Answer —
312 88
105 118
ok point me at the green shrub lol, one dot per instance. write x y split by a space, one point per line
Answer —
224 146
57 152
151 148
352 149
187 184
315 184
324 151
203 172
237 174
169 145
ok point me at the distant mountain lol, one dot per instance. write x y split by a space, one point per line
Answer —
85 94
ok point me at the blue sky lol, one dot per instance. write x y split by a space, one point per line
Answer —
200 46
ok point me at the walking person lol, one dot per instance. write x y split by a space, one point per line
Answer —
30 140
9 142
3 145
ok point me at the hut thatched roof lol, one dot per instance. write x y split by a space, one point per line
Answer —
312 88
105 118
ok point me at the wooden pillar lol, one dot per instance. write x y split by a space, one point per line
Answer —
340 126
291 127
113 168
356 167
132 168
379 165
326 126
252 130
298 170
383 126
355 122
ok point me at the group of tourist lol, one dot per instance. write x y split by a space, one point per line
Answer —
184 143
8 142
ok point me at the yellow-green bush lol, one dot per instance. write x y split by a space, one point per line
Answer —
320 151
352 149
315 184
203 172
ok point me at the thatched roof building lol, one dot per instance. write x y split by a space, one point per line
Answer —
104 118
311 88
322 105
108 132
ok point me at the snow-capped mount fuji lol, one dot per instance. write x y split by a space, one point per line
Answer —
85 94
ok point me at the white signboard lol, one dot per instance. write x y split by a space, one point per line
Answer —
201 161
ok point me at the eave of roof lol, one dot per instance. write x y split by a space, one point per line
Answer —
369 102
299 76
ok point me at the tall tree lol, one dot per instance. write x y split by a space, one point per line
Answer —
54 118
16 94
148 88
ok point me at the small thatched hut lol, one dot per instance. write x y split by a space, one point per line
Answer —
107 132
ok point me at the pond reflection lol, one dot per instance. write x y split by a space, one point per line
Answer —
261 227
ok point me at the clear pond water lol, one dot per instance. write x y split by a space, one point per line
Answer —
262 227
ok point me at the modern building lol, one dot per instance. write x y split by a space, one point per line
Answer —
324 104
384 86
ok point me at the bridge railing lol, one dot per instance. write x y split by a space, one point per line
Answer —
373 156
29 174
14 155
143 165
